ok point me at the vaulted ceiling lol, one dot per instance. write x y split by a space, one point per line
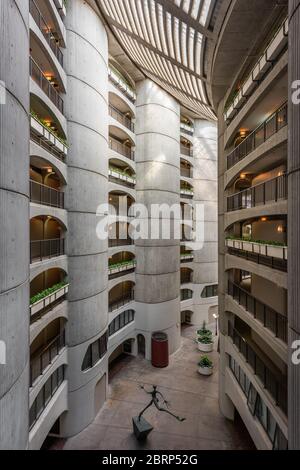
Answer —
167 40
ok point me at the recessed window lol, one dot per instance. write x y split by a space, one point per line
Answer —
210 291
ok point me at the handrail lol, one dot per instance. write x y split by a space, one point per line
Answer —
39 363
272 190
42 194
121 148
46 31
46 249
41 80
187 151
122 85
121 302
274 321
120 117
277 389
261 134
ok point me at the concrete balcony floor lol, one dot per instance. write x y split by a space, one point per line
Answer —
190 395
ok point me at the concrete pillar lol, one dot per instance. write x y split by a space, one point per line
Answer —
158 182
87 114
294 226
14 224
205 195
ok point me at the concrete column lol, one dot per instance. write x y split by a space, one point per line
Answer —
87 114
205 195
14 224
158 182
294 226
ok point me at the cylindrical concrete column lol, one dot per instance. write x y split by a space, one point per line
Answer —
205 216
294 225
14 224
87 114
158 182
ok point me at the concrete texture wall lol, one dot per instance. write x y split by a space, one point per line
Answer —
206 195
14 223
158 182
87 115
294 226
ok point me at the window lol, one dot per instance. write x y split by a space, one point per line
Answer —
210 291
95 352
121 321
186 294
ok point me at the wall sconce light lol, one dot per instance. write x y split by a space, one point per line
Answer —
264 219
280 229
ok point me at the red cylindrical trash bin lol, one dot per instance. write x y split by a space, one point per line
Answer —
160 349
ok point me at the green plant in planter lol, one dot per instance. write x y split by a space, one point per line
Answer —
205 362
205 339
204 331
47 292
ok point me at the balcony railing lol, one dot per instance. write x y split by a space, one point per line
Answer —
123 178
120 148
186 173
187 151
267 129
270 191
276 388
42 81
48 35
186 278
43 136
115 305
186 128
268 317
41 194
186 257
121 118
268 260
122 267
112 243
119 82
40 362
46 249
48 303
45 395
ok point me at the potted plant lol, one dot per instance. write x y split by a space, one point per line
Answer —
205 366
205 343
204 331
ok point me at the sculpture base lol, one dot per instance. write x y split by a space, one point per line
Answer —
141 428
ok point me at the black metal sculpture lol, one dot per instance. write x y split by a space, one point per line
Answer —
141 427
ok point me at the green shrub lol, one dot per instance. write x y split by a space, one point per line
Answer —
204 331
205 339
205 362
46 292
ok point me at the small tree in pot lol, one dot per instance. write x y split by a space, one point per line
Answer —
205 366
205 343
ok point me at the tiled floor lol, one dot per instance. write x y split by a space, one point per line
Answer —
190 395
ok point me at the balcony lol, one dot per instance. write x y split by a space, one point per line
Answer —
118 269
264 132
186 257
47 300
41 361
46 249
121 176
270 191
186 294
45 138
269 318
116 304
259 71
112 243
276 388
45 195
120 148
47 33
45 395
121 118
186 192
187 151
120 83
41 80
273 256
186 128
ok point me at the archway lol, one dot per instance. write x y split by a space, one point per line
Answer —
141 344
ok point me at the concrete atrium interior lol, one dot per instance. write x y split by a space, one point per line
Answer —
149 223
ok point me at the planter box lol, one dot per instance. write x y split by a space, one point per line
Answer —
205 371
38 306
280 252
205 347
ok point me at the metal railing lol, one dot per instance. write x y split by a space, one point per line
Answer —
40 362
120 148
115 305
122 118
187 151
186 294
46 31
277 388
47 146
45 195
186 129
45 249
120 83
186 278
258 258
42 81
186 172
114 242
270 319
267 129
273 190
48 307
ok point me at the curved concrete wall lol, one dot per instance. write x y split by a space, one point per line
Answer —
14 217
206 195
158 182
87 114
